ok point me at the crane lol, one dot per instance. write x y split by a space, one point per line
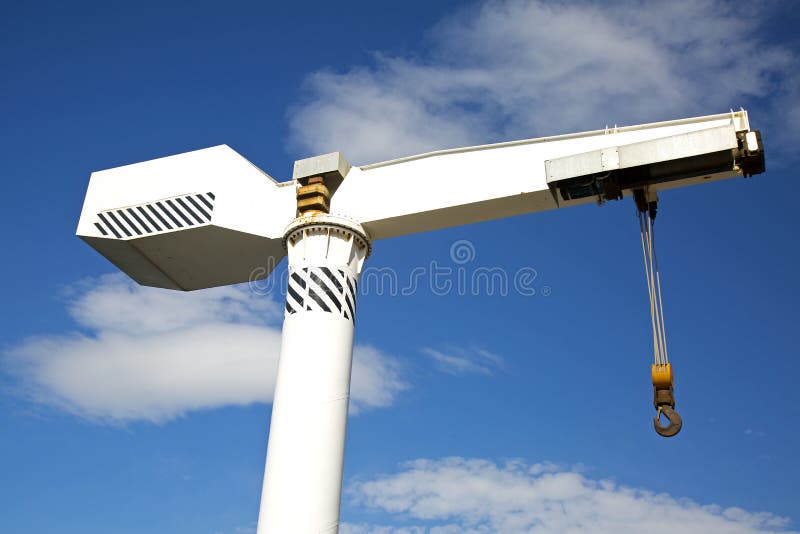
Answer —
211 218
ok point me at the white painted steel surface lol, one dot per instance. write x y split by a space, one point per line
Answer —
643 153
416 194
305 456
243 233
455 187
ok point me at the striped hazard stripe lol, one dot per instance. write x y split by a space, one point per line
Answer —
184 211
321 289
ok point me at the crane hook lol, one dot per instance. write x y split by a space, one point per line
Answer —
664 400
675 422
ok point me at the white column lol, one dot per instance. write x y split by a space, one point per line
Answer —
305 455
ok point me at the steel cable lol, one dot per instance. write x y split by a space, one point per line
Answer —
646 228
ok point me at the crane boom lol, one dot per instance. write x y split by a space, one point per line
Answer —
210 217
461 186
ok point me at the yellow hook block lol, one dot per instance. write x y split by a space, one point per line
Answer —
662 375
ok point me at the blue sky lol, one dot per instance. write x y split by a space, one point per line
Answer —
472 413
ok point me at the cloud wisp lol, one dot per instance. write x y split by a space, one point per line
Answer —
461 361
518 69
475 496
148 354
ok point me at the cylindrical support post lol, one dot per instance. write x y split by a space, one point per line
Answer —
305 455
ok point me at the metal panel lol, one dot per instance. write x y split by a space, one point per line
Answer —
682 145
200 219
577 165
324 165
678 146
159 216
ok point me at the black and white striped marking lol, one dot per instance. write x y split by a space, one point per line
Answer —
175 213
321 289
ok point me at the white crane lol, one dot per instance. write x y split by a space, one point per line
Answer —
210 218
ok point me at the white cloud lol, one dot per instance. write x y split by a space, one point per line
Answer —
458 495
154 354
517 69
459 361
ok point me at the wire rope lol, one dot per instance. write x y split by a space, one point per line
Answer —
646 229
